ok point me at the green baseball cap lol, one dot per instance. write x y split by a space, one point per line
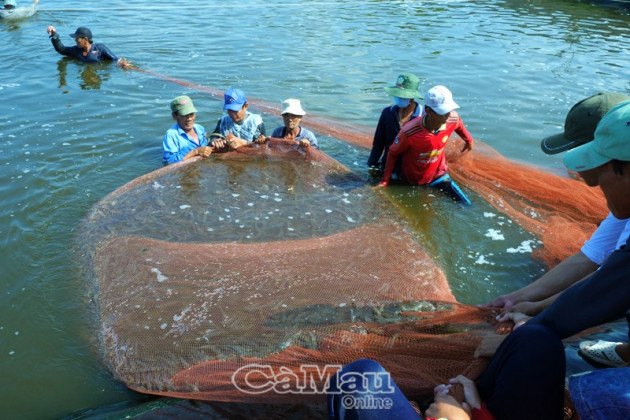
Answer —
612 141
183 105
581 122
406 87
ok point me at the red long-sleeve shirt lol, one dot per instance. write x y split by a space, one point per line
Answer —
423 158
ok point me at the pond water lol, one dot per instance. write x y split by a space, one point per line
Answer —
70 134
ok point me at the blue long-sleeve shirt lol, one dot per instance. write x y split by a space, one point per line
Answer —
98 52
177 143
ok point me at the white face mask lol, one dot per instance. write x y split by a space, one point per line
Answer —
401 102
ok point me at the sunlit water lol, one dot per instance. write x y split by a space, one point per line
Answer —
70 134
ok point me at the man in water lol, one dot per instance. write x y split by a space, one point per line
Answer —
405 108
422 143
184 139
292 114
239 126
86 50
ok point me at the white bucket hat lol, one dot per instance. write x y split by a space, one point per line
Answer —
292 106
440 99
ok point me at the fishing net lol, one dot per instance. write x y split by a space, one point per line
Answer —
561 211
254 275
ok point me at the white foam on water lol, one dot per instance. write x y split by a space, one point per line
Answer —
160 276
524 248
495 235
184 206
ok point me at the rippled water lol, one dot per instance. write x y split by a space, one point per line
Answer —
70 134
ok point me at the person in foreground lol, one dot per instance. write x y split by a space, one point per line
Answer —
612 233
422 143
604 296
292 114
86 49
506 390
405 108
184 139
239 126
525 377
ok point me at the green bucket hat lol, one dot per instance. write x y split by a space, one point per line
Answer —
581 122
612 141
406 87
183 105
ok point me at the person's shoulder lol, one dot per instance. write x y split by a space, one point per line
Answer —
412 126
389 110
454 118
277 132
307 133
255 117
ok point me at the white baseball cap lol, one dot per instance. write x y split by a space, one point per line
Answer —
440 99
292 106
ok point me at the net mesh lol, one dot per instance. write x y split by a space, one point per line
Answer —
254 275
220 279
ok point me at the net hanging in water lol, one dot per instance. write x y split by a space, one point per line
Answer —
216 279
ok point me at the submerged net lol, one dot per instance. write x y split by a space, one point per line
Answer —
254 275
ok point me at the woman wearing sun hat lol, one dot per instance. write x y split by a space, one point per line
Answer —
405 108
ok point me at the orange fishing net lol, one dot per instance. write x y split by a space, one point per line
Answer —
253 276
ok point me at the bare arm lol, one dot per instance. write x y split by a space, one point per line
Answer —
559 278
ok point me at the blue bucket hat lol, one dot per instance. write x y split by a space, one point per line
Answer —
234 99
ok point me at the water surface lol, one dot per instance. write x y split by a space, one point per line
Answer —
70 134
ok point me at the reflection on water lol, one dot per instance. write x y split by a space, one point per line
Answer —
92 75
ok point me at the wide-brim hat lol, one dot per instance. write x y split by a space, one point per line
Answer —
183 105
406 87
82 32
10 3
292 106
581 121
611 141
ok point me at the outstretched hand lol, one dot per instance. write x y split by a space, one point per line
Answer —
51 30
124 64
467 147
501 302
